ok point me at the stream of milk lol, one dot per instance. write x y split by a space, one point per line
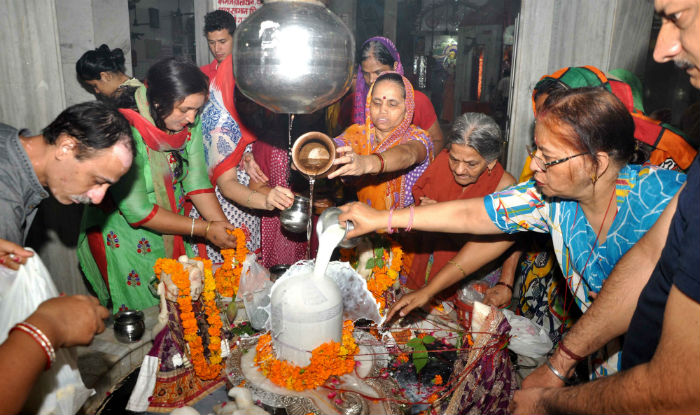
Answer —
327 241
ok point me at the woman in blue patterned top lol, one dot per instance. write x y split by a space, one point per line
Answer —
584 193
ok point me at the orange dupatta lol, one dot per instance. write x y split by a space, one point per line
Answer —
389 190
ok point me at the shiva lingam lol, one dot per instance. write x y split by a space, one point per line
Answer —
307 312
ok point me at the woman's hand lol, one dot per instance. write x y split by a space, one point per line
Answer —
13 255
364 218
217 234
425 200
252 168
280 198
498 296
351 164
408 302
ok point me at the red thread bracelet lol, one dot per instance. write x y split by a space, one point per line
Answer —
381 162
568 352
410 220
388 226
505 284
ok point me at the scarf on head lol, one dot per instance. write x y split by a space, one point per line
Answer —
361 87
670 149
159 145
387 190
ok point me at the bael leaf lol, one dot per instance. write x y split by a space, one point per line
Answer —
379 263
420 358
415 342
427 339
378 252
370 263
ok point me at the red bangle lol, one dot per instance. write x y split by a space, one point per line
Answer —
568 352
41 340
388 226
381 162
410 221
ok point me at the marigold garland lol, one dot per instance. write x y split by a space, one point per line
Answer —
228 276
384 277
181 278
328 359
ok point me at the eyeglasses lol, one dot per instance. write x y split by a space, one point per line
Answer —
545 165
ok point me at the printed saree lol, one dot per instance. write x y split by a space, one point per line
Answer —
642 192
225 140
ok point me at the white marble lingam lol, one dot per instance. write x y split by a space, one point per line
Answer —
307 309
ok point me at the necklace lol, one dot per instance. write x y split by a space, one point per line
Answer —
595 242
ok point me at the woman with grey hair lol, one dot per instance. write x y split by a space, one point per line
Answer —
468 167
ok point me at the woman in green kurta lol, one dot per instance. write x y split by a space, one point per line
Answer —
143 219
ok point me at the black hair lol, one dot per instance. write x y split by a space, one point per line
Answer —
219 20
171 80
94 124
592 120
99 60
378 51
547 86
395 78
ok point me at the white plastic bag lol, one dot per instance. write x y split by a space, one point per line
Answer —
527 338
254 290
60 390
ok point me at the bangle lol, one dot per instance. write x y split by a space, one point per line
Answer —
388 226
505 284
459 267
192 228
568 352
381 162
206 231
250 195
40 338
556 372
410 220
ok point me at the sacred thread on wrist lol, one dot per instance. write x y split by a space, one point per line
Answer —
505 284
568 352
459 267
381 162
410 220
388 226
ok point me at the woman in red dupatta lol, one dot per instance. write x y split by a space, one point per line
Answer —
143 217
387 151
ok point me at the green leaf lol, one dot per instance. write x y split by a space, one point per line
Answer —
370 263
427 339
379 252
379 262
420 359
415 342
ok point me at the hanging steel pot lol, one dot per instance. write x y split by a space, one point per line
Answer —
293 56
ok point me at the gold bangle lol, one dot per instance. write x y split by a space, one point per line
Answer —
250 195
459 267
206 231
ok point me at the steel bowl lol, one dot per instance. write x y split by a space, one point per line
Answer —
293 56
129 326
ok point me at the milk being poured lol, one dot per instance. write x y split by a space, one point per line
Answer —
327 241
